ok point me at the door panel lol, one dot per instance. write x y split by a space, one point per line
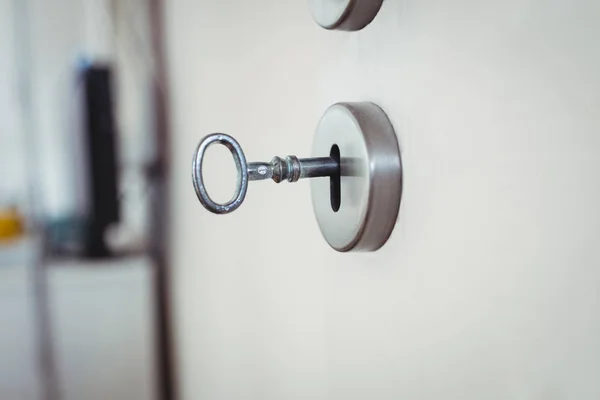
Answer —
487 287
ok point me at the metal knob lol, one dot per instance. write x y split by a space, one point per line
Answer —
290 169
344 15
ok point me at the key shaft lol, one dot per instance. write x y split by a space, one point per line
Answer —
291 169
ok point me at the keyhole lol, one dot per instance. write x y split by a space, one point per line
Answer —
335 181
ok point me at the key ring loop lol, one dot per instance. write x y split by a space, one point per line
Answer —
240 164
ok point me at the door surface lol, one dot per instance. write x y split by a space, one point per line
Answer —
489 286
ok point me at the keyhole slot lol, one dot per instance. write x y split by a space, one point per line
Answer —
335 181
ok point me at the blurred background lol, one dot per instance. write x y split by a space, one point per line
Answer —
82 281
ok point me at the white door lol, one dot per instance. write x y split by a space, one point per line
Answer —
489 286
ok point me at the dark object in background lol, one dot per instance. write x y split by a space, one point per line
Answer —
102 159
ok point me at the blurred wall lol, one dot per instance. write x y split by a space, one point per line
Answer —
488 287
20 371
103 320
12 143
57 44
43 46
101 314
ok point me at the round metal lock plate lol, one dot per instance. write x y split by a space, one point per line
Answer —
345 15
371 177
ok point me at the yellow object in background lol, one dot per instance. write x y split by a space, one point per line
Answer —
11 224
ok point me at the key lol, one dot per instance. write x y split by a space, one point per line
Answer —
290 169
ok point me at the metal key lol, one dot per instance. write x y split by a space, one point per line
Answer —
290 169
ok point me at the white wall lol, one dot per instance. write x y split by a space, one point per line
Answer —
12 145
103 329
57 43
488 287
20 369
